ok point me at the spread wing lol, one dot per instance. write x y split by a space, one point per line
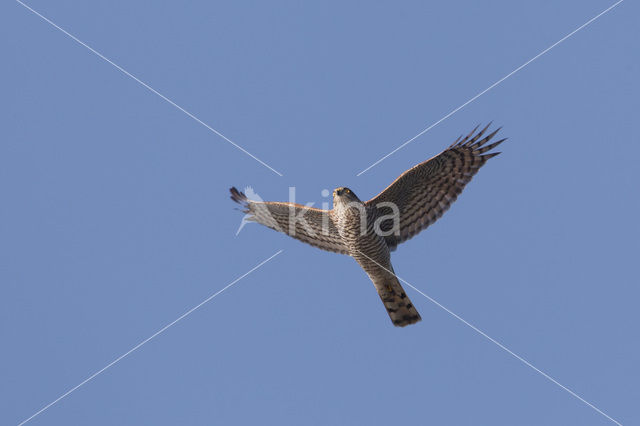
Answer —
309 225
424 192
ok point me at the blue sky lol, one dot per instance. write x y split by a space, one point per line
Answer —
115 217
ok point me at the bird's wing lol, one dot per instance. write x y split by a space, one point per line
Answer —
424 192
309 225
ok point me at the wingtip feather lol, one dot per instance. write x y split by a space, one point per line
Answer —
482 149
490 155
237 196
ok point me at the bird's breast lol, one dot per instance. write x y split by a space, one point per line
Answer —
356 228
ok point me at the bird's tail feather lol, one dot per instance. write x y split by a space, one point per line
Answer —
395 300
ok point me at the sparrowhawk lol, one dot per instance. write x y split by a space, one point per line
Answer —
368 231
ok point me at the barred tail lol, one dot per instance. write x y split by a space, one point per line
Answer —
395 300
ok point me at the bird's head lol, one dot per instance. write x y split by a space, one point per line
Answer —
344 195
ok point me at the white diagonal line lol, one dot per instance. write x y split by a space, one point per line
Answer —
136 347
492 86
500 345
151 89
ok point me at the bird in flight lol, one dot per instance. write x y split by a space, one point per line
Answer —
369 231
